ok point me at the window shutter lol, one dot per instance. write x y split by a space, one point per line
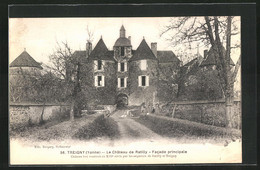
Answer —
125 81
103 81
118 82
125 66
96 81
143 65
139 80
147 81
95 64
118 66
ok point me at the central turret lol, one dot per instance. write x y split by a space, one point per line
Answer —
122 47
122 31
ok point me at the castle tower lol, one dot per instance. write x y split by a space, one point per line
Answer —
122 54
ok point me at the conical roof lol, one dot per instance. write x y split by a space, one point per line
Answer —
122 28
100 52
143 52
25 60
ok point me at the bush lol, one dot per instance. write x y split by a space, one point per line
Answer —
100 127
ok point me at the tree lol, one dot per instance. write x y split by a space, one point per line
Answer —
66 67
214 31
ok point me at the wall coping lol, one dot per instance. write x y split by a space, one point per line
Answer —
37 104
202 102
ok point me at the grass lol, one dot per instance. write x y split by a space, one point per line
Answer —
182 128
24 130
100 127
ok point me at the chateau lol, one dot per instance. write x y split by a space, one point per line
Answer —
128 75
136 76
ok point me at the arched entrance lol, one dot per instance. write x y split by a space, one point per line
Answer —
122 100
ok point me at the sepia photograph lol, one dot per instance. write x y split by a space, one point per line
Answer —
125 90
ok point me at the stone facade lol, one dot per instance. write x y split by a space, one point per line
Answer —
127 74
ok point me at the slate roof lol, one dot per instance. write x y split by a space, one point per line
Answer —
167 57
190 67
25 60
143 52
100 52
210 58
79 53
123 41
122 28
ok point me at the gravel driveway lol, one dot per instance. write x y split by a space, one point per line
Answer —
130 129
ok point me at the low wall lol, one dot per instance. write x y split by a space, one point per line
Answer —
207 112
21 115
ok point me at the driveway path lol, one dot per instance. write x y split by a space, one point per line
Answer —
130 129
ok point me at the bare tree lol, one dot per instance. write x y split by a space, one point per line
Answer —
90 34
216 32
66 66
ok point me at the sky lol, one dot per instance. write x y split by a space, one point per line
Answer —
39 36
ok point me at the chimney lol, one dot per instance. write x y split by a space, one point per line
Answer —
129 37
88 49
154 48
205 53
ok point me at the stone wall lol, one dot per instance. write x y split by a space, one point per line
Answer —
21 115
207 112
138 95
102 95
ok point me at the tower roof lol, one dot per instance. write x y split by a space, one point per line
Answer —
122 28
143 52
100 52
123 41
211 60
25 60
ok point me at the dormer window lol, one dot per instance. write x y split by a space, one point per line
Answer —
98 65
122 67
122 49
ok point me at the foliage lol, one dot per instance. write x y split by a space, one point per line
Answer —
214 31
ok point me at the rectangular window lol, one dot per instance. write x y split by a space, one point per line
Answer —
143 64
143 81
122 66
122 49
99 65
99 81
122 82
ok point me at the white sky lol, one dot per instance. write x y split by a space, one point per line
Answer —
39 35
